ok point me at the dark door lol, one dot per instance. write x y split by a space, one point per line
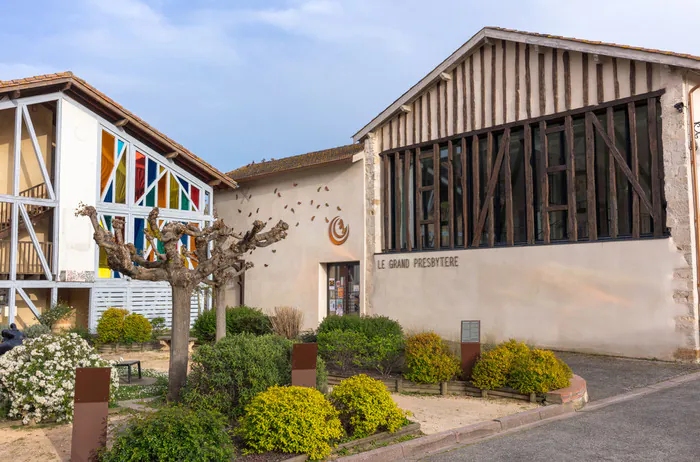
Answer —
344 288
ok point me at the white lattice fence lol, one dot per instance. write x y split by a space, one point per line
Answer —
151 302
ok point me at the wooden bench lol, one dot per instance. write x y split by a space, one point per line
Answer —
165 342
128 365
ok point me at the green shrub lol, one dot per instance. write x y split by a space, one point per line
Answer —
366 406
308 336
83 333
137 329
429 359
342 349
371 326
226 375
110 327
321 375
55 314
157 327
173 433
238 320
539 372
291 420
493 368
384 353
36 330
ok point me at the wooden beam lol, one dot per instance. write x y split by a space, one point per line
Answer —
121 122
386 197
450 194
540 76
508 192
555 78
529 189
465 209
584 77
171 155
405 108
406 187
571 179
487 209
528 83
623 164
397 201
15 94
445 77
214 182
655 167
491 171
634 159
544 182
436 194
476 201
66 86
612 176
419 199
472 100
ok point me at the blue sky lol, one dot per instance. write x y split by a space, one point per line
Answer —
236 81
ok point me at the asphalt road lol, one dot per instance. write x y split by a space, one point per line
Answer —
661 426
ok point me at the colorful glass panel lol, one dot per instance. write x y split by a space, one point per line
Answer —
194 194
103 269
162 192
120 179
139 176
174 191
152 172
151 198
139 235
107 160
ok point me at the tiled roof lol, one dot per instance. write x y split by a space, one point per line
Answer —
312 159
75 84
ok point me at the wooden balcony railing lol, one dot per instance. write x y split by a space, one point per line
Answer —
28 262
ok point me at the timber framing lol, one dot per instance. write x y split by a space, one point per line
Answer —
493 146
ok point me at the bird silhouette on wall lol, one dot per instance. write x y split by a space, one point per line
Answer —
295 185
327 188
319 189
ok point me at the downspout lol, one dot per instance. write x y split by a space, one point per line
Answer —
694 173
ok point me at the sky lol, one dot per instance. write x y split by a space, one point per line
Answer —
243 80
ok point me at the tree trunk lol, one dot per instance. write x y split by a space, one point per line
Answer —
220 311
179 341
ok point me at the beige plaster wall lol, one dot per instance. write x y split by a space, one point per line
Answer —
612 298
291 272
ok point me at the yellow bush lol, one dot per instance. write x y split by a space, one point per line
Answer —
429 359
110 327
136 328
539 372
493 368
366 406
291 420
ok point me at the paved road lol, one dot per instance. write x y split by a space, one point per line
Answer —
662 426
608 376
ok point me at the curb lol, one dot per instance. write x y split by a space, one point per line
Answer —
420 447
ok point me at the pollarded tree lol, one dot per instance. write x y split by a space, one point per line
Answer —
219 250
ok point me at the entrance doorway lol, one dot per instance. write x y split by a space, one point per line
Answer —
344 288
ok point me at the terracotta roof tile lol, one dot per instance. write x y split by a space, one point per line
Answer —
311 159
93 93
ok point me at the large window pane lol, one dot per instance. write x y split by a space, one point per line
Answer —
458 193
517 171
7 157
42 123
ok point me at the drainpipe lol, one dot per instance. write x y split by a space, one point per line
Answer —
694 173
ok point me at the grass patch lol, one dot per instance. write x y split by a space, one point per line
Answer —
158 389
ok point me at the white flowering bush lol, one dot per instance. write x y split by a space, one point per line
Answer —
38 377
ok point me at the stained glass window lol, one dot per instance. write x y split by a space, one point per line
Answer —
113 169
104 271
143 247
157 185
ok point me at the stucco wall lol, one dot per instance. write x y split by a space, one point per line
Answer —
613 298
294 275
78 183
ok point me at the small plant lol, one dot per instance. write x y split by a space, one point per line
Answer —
342 349
55 314
366 406
157 327
286 322
173 433
36 330
110 327
429 359
290 420
493 369
371 326
137 329
83 333
38 377
226 375
308 336
238 320
539 372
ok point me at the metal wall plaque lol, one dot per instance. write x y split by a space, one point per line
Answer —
471 331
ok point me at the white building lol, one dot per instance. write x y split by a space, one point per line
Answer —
543 185
62 142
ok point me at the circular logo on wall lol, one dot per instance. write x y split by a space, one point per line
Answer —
338 232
